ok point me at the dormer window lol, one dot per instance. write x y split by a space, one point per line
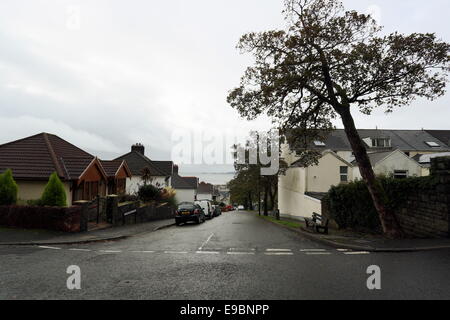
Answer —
381 142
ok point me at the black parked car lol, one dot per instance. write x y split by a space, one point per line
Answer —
188 211
217 211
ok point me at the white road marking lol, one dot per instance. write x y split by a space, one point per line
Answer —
343 250
176 252
143 251
313 250
240 253
84 250
278 250
317 253
110 251
357 252
208 252
51 248
206 242
278 253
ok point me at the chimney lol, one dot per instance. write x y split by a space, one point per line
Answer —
175 169
138 147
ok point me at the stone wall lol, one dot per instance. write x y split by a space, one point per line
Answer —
134 212
425 213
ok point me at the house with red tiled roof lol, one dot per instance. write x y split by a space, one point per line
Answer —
33 159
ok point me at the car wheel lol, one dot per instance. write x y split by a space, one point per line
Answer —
198 220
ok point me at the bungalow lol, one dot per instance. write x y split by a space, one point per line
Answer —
33 159
160 171
391 152
185 187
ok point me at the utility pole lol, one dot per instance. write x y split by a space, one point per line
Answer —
259 194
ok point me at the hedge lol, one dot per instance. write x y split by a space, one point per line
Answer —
8 189
351 205
54 194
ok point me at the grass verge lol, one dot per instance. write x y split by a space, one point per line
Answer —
288 223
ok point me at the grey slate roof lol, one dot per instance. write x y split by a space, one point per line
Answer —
179 182
165 167
376 157
404 140
137 162
442 135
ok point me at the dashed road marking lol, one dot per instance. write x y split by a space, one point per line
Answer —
343 250
278 250
50 248
240 253
317 253
84 250
143 251
207 252
357 252
110 251
176 252
313 250
278 253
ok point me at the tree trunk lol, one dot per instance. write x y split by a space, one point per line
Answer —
272 198
388 220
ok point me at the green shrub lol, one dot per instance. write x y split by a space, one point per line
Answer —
8 189
148 193
351 205
54 194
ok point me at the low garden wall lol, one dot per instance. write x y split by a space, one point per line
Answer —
134 212
421 205
49 218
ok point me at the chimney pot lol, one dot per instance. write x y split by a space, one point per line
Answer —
138 147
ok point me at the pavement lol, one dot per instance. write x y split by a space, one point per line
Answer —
16 236
234 256
370 243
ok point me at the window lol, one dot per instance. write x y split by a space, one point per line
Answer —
381 142
319 143
432 144
400 174
344 174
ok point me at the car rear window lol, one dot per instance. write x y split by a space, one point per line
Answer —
186 206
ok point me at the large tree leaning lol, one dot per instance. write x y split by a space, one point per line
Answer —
328 60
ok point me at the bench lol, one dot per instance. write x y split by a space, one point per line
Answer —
317 223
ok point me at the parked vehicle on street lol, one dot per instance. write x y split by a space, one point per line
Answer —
217 211
230 208
241 207
206 205
188 211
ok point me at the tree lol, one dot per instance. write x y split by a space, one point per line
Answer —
243 188
146 175
8 189
328 61
54 194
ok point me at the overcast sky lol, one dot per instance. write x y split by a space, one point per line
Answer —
132 71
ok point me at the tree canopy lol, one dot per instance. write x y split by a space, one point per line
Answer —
327 62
